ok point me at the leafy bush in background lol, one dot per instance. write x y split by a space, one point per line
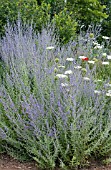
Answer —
39 16
106 25
65 26
87 11
65 15
28 10
49 110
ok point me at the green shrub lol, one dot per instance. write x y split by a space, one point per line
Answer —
39 15
65 25
29 10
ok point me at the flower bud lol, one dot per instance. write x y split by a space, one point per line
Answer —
55 70
56 60
104 55
91 35
84 70
95 59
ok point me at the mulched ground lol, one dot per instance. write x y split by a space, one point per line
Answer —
8 163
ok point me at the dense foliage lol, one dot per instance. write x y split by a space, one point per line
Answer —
28 10
87 11
67 15
106 25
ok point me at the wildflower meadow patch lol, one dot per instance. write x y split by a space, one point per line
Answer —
55 102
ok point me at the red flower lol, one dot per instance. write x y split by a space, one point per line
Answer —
85 59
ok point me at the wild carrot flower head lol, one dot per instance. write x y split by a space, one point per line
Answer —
69 59
84 58
91 62
105 37
109 57
50 48
68 72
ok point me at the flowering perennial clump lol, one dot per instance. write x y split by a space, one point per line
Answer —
54 108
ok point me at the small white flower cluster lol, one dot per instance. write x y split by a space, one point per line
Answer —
68 72
77 67
104 55
69 59
64 85
82 57
108 93
108 85
105 63
50 48
61 76
98 46
95 43
97 91
91 62
105 37
109 57
86 78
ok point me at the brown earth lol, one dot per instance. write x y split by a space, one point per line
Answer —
8 163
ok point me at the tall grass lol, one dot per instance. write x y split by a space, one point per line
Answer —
47 114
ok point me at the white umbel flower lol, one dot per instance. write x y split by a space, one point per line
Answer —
109 57
50 48
96 43
86 78
105 37
91 62
97 92
64 84
82 57
109 91
108 85
69 59
105 63
104 55
98 47
77 67
68 72
61 76
108 94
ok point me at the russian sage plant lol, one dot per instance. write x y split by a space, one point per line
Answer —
48 109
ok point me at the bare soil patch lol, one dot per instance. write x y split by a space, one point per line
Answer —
8 163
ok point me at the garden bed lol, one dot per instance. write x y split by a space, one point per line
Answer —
55 101
8 163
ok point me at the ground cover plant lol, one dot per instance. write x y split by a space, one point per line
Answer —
55 102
